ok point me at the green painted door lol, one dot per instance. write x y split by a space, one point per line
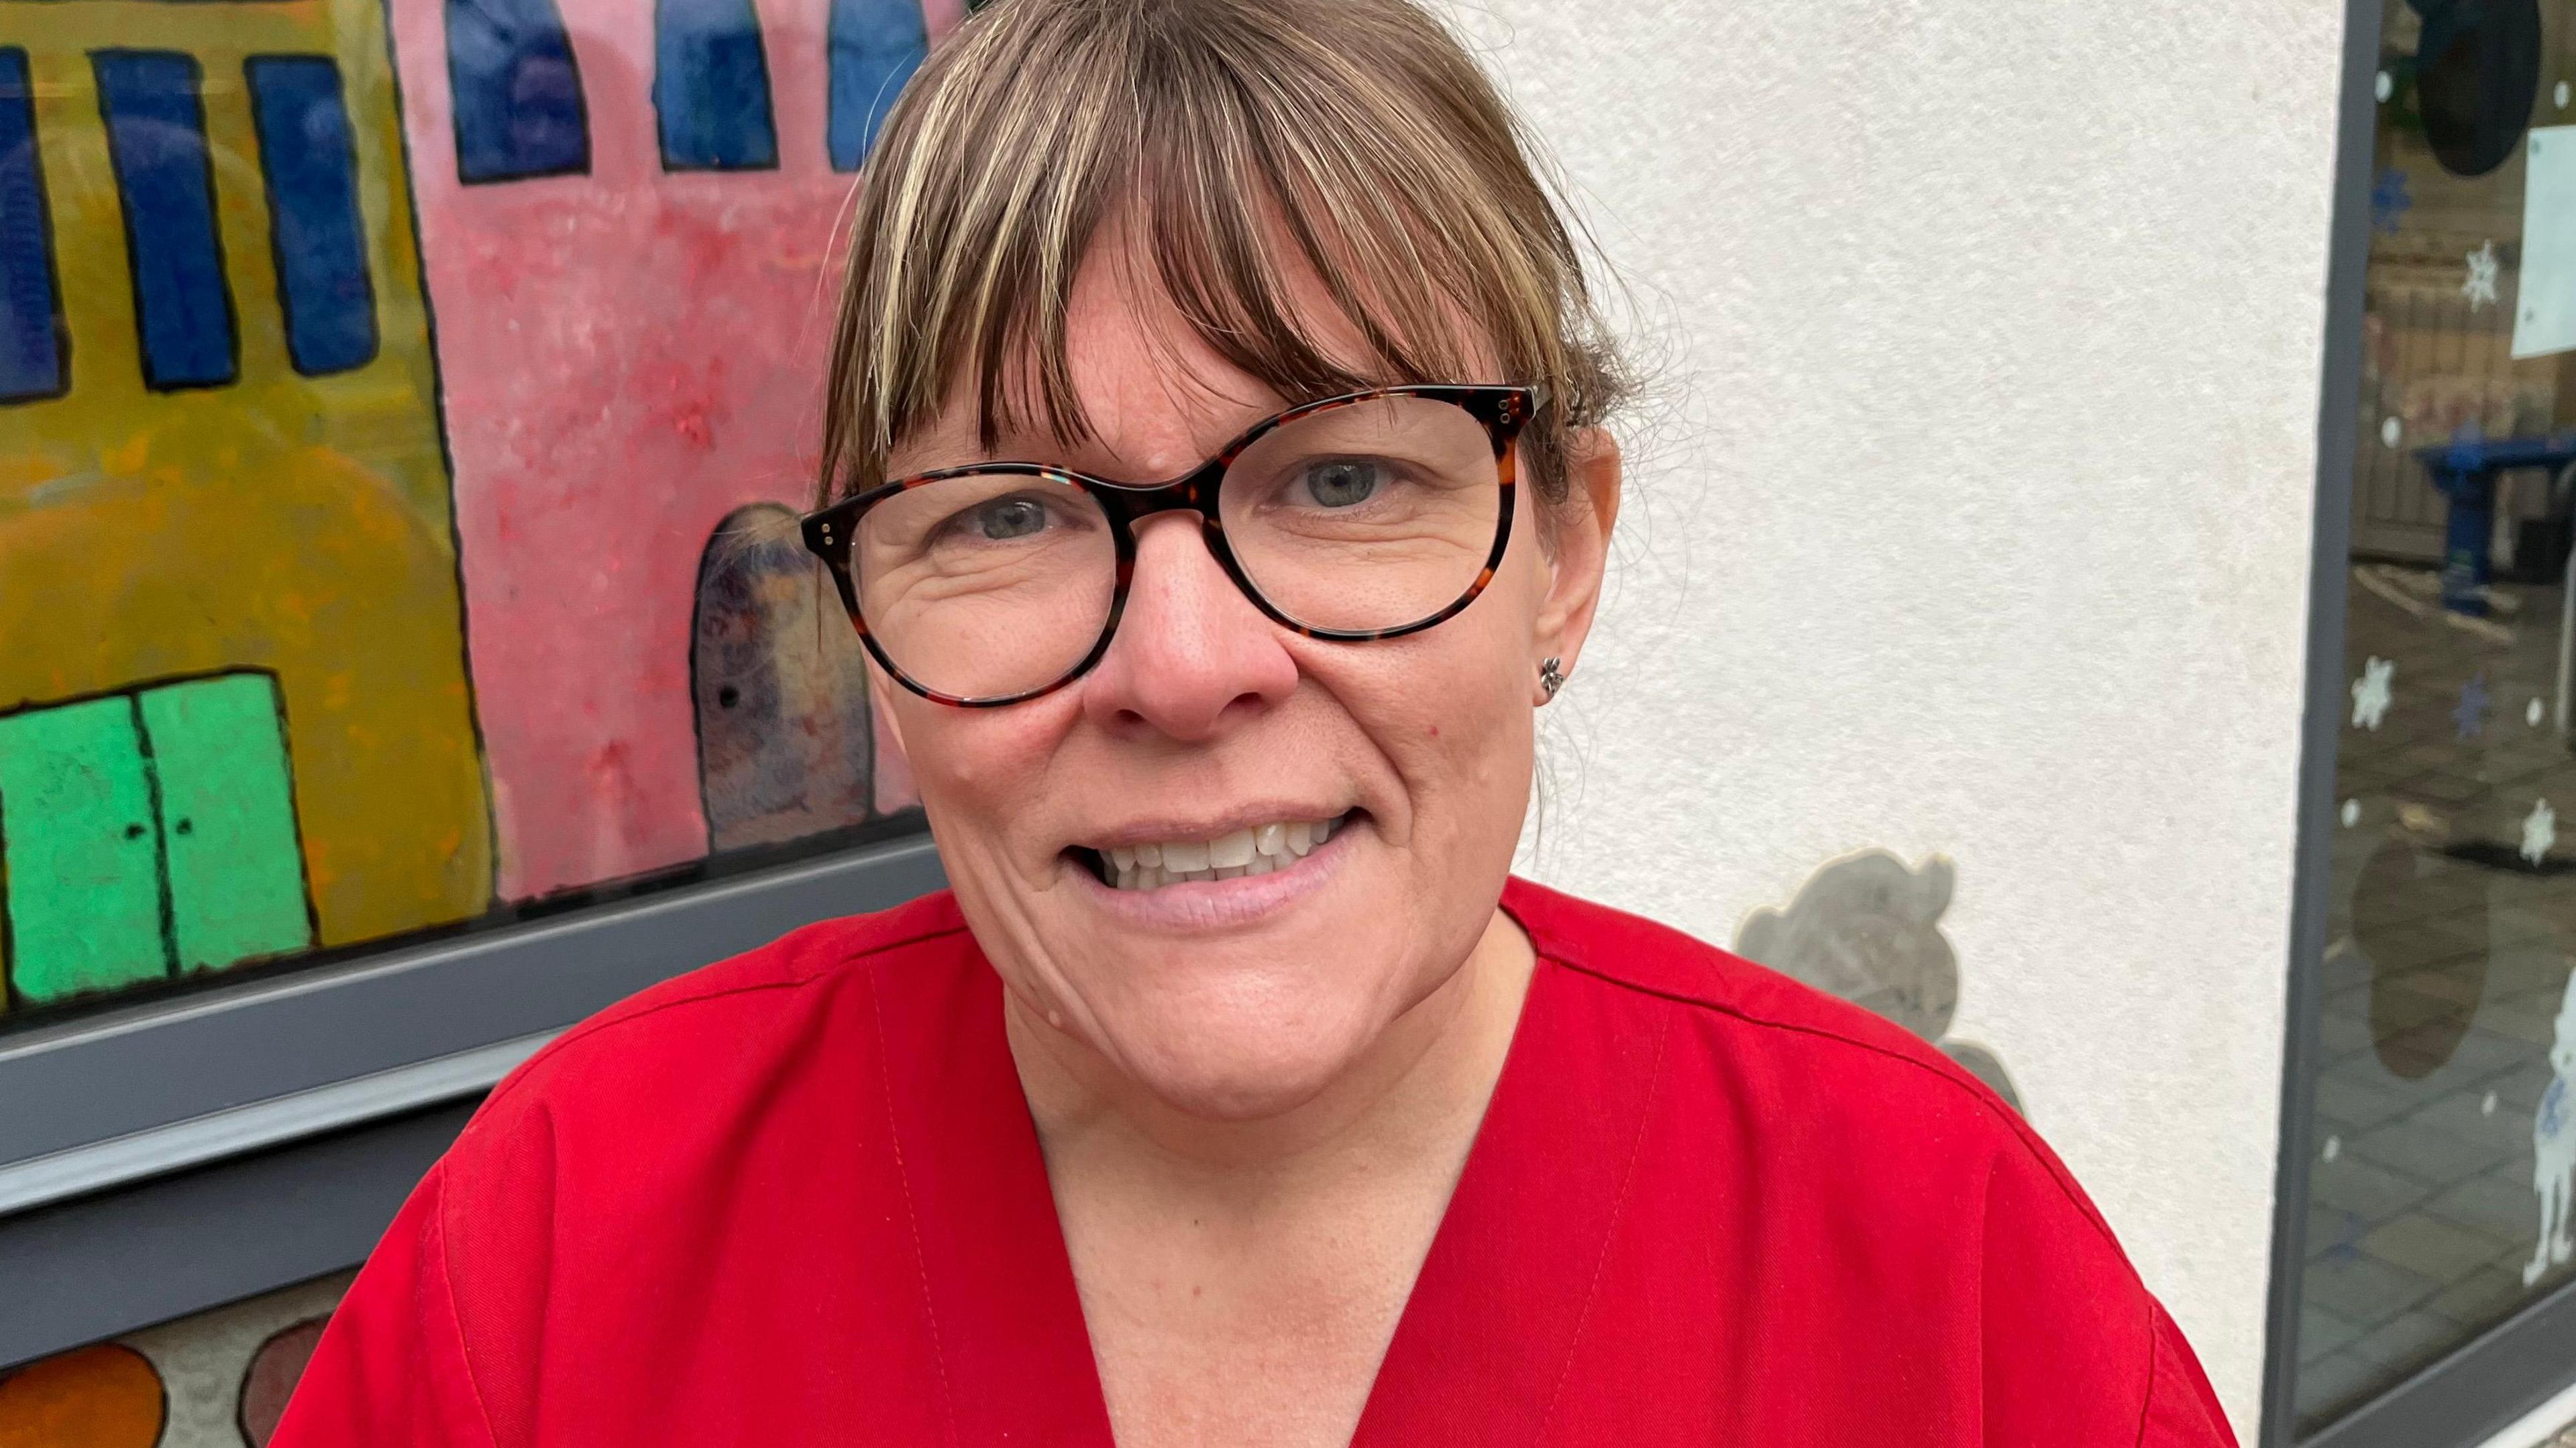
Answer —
80 859
228 817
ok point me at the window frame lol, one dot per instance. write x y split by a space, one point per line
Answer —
207 1146
2485 1385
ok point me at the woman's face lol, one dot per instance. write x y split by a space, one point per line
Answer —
1240 998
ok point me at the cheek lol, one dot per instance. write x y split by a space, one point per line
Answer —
974 766
1451 710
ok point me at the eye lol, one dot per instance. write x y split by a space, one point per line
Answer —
1344 482
1005 518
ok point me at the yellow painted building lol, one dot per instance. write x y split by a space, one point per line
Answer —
235 718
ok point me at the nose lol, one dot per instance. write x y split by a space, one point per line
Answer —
1192 657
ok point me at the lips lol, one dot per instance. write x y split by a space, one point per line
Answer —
1247 850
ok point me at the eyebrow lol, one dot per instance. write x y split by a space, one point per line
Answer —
1016 442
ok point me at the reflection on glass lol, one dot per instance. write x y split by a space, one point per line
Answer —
327 627
2448 1030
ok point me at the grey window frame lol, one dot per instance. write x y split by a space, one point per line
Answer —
194 1150
2485 1385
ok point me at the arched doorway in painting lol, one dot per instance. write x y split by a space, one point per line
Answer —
785 747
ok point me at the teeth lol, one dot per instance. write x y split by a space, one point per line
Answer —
1233 855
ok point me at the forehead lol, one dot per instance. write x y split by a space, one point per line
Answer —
1155 393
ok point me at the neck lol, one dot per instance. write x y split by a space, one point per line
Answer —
1241 1280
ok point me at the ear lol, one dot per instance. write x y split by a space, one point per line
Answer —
1580 532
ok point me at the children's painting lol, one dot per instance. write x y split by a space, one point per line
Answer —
399 401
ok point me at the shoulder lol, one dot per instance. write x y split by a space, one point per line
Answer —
1875 1169
693 1060
770 986
1872 1112
648 1147
1752 1008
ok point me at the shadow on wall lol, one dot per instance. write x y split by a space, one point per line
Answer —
1868 929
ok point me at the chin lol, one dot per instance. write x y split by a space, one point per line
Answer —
1245 1064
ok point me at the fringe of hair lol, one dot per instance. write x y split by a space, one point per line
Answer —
1353 141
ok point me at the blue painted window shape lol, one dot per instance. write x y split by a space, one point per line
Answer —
519 110
711 87
876 45
32 341
156 140
310 159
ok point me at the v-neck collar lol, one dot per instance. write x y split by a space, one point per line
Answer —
1485 1339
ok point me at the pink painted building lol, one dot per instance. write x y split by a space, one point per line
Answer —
627 216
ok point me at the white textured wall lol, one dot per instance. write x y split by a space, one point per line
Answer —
1975 519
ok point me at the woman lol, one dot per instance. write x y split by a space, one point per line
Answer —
1216 472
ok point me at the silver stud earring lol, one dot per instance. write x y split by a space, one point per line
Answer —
1551 677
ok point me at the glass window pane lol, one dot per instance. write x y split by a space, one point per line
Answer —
309 159
2437 1199
156 136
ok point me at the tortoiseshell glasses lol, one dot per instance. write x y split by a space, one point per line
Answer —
1366 516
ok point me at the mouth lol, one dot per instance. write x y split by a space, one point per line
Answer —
1255 850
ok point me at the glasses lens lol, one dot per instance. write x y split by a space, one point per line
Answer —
1367 516
987 585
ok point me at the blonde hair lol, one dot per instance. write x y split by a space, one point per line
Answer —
1353 139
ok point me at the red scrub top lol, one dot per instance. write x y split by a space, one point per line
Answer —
796 1198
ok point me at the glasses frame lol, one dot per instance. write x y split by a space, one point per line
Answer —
1504 410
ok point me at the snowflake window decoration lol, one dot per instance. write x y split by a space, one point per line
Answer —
2480 287
2371 692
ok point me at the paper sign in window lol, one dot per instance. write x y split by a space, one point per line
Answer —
2544 320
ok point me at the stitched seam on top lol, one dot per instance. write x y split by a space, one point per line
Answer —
912 1220
1610 1234
2155 1356
2020 1129
587 1029
455 1317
